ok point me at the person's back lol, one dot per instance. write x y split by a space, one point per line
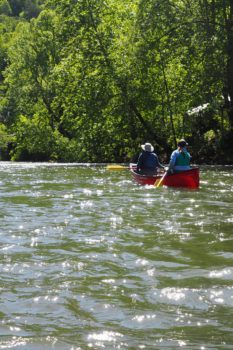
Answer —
180 158
148 161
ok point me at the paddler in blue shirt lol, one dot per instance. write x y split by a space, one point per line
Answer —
180 158
148 162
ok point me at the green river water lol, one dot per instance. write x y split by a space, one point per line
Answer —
91 260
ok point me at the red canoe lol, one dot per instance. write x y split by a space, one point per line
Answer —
188 178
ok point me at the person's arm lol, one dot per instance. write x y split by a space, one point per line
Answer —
188 154
159 165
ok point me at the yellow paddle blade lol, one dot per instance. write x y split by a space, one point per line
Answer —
156 182
159 182
116 167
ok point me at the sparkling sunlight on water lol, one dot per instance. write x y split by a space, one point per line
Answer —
91 260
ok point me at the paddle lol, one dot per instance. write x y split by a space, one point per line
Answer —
116 167
160 181
132 166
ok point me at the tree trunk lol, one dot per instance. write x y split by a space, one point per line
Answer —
169 105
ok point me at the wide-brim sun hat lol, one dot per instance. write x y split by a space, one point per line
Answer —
182 143
147 147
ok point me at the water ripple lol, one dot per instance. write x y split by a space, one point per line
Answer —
89 259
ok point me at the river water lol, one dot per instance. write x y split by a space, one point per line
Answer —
91 260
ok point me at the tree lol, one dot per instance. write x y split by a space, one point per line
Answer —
33 54
109 75
5 8
25 8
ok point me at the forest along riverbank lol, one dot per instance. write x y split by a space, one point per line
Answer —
134 77
91 259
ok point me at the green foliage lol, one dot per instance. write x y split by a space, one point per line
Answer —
33 53
4 136
25 8
5 8
35 140
91 80
5 139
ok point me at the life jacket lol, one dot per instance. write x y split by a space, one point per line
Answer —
182 159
